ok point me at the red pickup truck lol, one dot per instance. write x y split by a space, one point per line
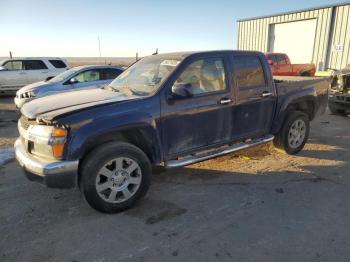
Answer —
281 66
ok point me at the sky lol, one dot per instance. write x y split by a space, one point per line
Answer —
72 28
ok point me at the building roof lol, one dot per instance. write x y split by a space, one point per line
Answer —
295 11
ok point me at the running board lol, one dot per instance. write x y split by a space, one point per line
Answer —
191 159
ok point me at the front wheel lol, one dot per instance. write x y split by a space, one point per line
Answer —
115 176
294 133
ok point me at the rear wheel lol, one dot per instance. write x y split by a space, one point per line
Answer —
294 133
115 176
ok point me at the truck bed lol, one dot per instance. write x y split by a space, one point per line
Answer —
319 86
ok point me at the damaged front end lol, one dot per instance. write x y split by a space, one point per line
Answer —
339 97
340 80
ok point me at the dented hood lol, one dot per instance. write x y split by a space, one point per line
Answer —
46 108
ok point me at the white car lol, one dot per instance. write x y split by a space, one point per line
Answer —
77 78
15 73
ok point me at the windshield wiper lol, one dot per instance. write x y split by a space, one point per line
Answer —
138 93
128 90
122 89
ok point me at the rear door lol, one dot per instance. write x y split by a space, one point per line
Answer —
36 70
203 120
256 98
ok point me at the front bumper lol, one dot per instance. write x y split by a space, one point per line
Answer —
341 102
58 174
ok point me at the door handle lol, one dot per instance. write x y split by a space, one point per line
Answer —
225 101
266 94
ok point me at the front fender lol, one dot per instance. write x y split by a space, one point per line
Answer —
93 132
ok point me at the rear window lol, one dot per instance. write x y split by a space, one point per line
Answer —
271 57
34 65
110 73
58 63
280 59
248 71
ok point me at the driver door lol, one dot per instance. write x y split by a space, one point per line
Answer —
203 119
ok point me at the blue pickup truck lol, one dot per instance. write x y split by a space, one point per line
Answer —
170 109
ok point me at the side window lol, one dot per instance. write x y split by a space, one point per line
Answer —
34 65
13 65
281 60
58 63
204 76
88 76
248 72
110 73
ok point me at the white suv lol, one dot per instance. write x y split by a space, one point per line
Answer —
15 73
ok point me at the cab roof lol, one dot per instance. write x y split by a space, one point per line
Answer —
182 55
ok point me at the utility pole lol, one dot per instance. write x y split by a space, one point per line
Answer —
10 54
99 45
156 53
137 56
99 48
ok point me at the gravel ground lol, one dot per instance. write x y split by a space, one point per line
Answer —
258 205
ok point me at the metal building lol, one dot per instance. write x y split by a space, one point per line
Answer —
319 35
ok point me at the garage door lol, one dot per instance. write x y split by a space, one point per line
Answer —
294 38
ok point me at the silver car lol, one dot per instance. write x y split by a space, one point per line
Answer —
77 78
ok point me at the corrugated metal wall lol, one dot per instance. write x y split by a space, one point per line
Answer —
254 34
340 36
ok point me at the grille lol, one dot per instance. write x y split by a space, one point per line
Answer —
25 122
343 98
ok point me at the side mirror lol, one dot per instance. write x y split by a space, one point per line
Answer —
50 77
3 68
73 81
270 62
182 90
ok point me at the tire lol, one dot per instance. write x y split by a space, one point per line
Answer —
290 138
335 111
115 176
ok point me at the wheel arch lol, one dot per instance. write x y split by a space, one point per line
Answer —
140 137
305 105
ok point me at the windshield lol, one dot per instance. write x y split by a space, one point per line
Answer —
63 76
144 77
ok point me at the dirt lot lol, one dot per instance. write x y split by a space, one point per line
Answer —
259 205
